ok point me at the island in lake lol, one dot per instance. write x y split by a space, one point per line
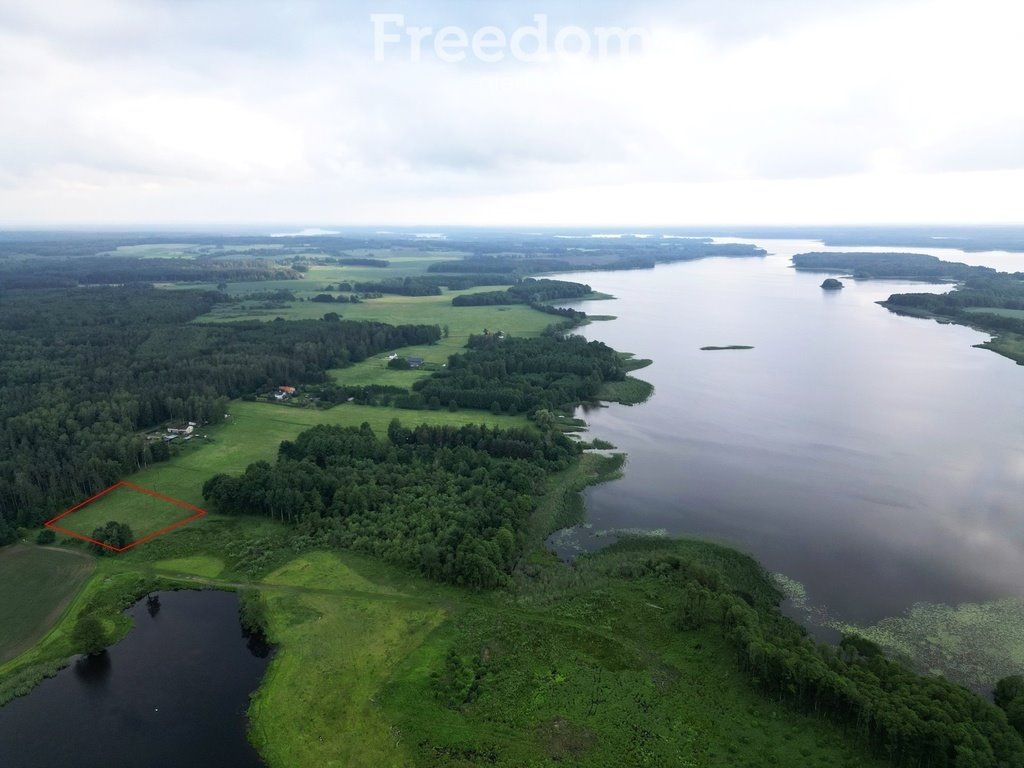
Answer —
721 349
831 284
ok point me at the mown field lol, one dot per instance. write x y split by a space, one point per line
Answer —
401 263
36 585
143 513
461 323
397 310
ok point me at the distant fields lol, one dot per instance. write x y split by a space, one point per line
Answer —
461 323
402 263
399 310
36 585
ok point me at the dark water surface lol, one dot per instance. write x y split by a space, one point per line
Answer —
877 459
173 693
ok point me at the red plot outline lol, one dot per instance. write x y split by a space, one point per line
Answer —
197 513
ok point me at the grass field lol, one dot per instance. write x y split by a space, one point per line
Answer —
1015 313
402 263
339 642
516 319
143 513
36 585
433 310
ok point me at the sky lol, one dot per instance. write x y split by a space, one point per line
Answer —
184 112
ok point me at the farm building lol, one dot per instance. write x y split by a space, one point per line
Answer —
415 362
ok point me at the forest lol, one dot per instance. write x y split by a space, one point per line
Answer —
521 375
82 371
450 503
116 270
563 254
998 291
908 266
528 291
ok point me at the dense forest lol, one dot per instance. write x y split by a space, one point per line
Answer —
909 266
561 255
505 265
911 720
118 270
522 375
528 291
451 503
83 370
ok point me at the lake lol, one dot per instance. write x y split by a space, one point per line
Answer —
876 459
173 693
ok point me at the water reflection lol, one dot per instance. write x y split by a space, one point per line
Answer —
874 458
173 693
93 670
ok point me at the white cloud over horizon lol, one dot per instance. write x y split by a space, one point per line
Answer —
196 112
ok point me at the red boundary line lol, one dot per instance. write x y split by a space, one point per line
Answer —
198 513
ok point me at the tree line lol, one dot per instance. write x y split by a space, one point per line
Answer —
117 270
452 503
910 266
528 291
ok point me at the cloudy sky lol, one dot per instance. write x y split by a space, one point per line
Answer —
723 111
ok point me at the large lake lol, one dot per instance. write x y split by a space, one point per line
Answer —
877 459
173 693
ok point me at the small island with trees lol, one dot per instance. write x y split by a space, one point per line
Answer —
831 284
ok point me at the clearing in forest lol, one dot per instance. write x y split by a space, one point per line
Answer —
149 514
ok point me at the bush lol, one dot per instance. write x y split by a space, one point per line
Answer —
46 536
252 612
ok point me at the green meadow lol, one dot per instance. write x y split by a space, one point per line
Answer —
399 310
143 513
401 263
